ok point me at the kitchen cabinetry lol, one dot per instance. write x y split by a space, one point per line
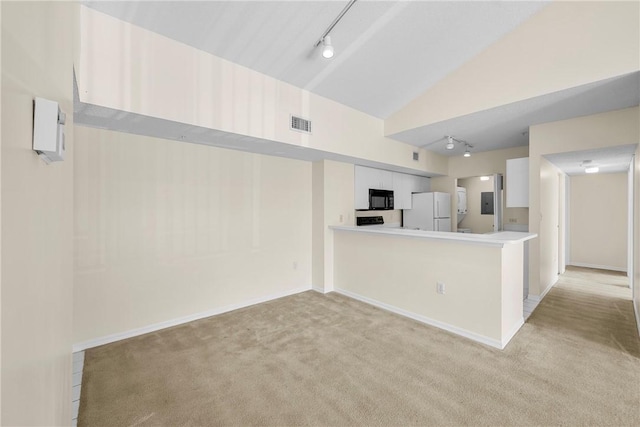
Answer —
517 183
423 186
361 188
366 178
402 190
405 185
375 178
401 184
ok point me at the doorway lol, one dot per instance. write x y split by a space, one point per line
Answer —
595 209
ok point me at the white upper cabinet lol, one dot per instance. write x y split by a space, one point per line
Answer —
517 183
423 185
361 190
402 191
380 179
401 184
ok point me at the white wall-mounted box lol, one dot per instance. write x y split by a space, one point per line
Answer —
48 130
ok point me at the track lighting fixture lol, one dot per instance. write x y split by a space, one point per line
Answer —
450 145
325 40
589 166
327 48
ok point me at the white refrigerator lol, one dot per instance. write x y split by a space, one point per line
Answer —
429 211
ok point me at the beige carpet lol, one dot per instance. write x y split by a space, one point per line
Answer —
312 359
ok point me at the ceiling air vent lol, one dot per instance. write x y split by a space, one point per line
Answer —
300 124
416 156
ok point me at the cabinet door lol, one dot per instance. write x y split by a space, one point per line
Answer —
413 183
424 185
401 191
362 177
385 179
517 183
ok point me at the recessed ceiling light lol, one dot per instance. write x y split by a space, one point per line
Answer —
592 169
484 178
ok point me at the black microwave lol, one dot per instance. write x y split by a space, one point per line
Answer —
380 199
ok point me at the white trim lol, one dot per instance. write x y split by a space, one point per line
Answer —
423 319
185 319
635 310
597 266
319 290
534 298
514 330
538 298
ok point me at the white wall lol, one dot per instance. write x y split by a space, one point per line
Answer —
205 90
483 296
614 128
599 225
38 40
636 233
474 219
165 230
564 45
549 226
483 163
333 204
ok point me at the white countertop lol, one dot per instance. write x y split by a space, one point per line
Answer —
499 238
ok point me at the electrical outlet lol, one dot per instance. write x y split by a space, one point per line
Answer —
341 218
440 287
295 265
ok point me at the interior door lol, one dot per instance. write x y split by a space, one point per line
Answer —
497 202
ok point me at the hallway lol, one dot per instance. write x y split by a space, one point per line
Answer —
591 304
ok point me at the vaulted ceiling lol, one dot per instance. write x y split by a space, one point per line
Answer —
387 53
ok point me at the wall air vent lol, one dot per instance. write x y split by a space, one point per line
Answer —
300 124
416 156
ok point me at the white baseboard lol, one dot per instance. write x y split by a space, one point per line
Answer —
635 310
319 290
426 320
597 266
538 298
512 333
179 321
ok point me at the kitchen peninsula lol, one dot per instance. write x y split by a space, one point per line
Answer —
468 284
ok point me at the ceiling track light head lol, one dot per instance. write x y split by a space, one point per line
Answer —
589 166
467 150
450 145
325 40
327 47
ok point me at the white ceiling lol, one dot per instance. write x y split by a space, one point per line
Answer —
387 52
609 160
508 125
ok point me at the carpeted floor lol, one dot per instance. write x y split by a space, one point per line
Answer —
313 359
